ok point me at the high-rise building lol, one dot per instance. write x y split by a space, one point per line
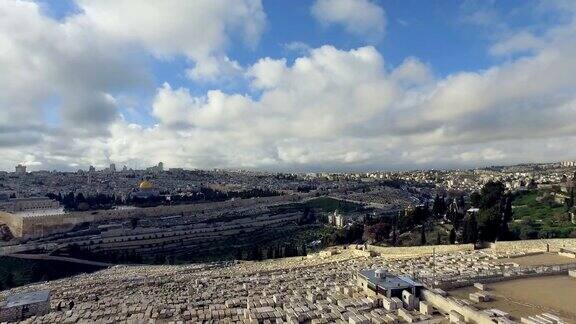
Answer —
160 166
112 167
20 169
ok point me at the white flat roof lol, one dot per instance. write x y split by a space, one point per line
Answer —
27 298
41 212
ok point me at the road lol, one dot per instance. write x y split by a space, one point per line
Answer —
59 258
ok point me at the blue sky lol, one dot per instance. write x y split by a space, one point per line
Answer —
442 34
335 84
424 29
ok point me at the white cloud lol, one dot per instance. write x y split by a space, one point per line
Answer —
358 17
412 72
75 67
267 73
341 108
44 60
516 43
201 30
298 47
329 108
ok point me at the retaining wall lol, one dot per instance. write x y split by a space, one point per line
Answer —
528 246
553 271
419 250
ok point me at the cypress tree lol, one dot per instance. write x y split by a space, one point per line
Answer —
452 237
423 236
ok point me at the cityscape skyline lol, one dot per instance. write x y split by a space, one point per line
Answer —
317 85
21 168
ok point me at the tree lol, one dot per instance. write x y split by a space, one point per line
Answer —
419 215
455 218
461 202
354 233
270 253
569 202
395 230
439 206
80 198
452 236
491 194
308 216
304 250
376 233
489 223
238 254
423 235
475 199
507 213
438 238
133 222
527 231
9 280
470 229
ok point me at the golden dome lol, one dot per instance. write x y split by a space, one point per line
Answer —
146 185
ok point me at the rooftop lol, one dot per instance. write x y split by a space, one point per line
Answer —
27 298
389 281
41 212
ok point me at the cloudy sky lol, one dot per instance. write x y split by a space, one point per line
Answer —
286 85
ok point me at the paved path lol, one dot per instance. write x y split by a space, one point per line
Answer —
59 258
366 203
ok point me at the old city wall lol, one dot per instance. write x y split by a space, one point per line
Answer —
528 246
36 226
419 250
13 222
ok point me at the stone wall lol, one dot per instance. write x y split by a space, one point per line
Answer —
528 246
447 305
419 250
15 314
550 271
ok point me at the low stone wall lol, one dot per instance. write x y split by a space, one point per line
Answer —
494 279
419 250
447 305
529 246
